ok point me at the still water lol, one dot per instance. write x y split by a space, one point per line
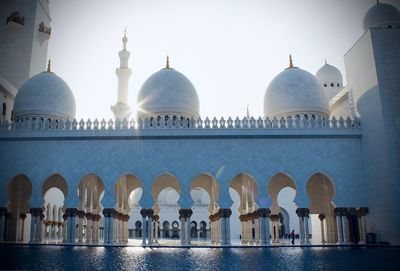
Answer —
133 258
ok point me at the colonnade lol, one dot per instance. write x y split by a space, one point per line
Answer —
85 227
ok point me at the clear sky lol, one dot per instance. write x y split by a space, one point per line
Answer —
229 49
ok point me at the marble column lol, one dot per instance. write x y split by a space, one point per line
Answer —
362 222
150 213
345 223
301 212
225 214
321 219
338 213
264 213
89 227
143 213
275 228
64 233
23 217
182 217
306 226
156 227
81 215
41 227
34 217
3 212
108 226
71 228
243 231
95 228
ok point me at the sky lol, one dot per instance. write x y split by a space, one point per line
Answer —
229 49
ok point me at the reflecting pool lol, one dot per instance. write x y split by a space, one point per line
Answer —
134 258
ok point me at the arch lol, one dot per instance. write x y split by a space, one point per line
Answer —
321 192
274 187
19 190
55 180
209 184
246 187
90 190
123 188
164 181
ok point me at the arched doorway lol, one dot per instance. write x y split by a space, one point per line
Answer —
90 193
124 191
321 191
204 191
282 191
54 192
19 190
166 192
247 190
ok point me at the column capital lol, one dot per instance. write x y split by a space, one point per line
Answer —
274 217
127 217
89 216
143 212
71 212
321 217
340 211
362 211
150 213
35 211
108 212
224 212
155 217
302 212
263 212
214 217
115 214
185 213
81 213
65 217
22 216
96 217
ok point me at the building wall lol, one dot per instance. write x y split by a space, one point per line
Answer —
220 153
372 67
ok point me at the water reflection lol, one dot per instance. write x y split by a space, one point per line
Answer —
137 258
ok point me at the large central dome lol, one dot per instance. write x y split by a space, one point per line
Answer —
295 92
168 92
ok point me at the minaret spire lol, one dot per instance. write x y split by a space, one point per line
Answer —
290 61
121 109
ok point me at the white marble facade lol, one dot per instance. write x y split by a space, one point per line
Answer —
323 160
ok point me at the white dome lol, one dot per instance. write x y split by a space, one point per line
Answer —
295 91
168 92
328 74
381 15
44 95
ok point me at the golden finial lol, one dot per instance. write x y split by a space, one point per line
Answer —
49 66
290 61
125 38
167 65
326 62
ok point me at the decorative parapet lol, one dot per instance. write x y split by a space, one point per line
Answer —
162 122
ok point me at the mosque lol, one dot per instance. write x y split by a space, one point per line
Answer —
324 159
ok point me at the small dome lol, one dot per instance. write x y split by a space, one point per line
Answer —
381 15
295 91
328 74
168 92
44 95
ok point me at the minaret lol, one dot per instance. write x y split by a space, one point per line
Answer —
121 109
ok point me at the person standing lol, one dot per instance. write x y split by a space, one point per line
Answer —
293 235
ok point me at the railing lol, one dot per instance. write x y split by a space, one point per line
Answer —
173 122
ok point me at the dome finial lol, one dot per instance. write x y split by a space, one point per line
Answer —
326 62
167 64
290 61
49 66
